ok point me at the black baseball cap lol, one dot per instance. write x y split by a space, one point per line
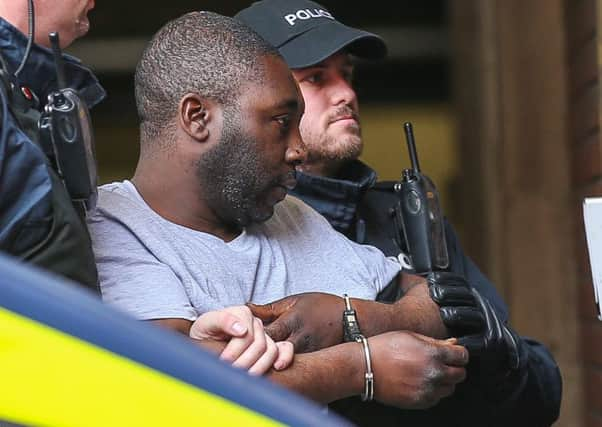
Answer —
306 33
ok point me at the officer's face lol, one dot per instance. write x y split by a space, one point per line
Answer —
252 166
330 126
68 17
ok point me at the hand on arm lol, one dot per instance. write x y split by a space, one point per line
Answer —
238 337
313 321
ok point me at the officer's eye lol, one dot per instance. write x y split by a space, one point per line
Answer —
348 76
315 78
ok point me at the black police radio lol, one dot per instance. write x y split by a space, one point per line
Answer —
420 217
66 134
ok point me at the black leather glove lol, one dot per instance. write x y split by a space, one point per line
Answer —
495 348
459 309
498 348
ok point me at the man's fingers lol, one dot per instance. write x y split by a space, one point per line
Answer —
451 354
255 350
452 375
279 330
218 325
286 353
448 351
266 360
264 312
237 346
270 312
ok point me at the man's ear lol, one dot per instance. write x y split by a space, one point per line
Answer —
194 116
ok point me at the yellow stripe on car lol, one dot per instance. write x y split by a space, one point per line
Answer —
51 378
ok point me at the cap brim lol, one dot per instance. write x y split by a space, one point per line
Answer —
318 43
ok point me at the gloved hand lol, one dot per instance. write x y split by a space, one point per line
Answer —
498 348
492 344
458 307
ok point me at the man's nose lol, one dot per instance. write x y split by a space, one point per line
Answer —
296 153
343 92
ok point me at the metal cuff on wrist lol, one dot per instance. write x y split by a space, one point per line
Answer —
351 332
368 393
351 327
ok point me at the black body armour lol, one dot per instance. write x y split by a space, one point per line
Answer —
59 243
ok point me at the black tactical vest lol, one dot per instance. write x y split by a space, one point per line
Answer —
60 243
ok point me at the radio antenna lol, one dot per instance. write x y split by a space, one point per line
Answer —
407 126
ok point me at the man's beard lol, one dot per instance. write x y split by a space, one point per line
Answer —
324 147
329 148
234 178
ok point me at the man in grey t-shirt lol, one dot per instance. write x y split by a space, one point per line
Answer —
205 221
295 251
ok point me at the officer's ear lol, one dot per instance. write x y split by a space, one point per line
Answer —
195 115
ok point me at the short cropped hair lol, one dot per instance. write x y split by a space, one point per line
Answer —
200 52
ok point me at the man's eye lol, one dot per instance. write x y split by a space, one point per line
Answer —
348 77
314 78
283 121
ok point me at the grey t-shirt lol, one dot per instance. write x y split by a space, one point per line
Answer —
155 269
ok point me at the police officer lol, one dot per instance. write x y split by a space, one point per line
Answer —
523 385
39 222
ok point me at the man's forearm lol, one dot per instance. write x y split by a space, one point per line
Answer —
313 321
409 370
325 375
415 311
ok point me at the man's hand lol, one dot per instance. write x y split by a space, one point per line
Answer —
310 321
249 347
413 371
